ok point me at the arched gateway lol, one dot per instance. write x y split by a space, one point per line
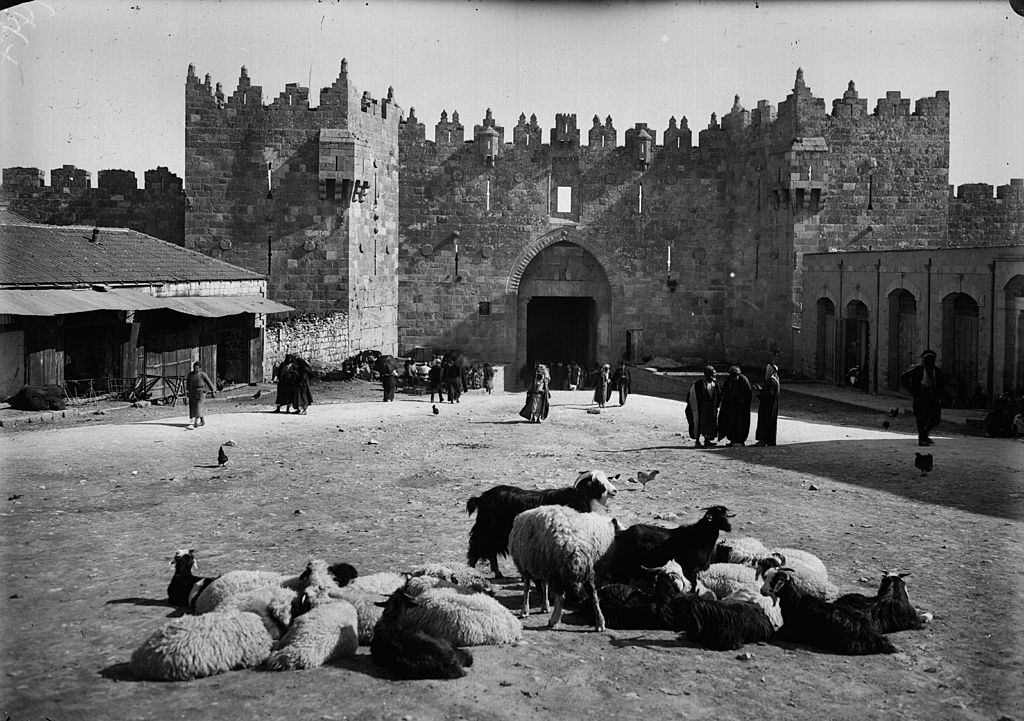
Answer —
564 302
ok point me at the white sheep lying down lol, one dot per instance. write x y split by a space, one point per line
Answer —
323 634
809 572
561 547
235 582
462 617
197 646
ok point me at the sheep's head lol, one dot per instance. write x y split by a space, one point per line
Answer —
317 583
669 575
776 560
718 516
596 486
775 580
342 573
184 561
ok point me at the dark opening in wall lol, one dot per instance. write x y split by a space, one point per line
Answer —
485 307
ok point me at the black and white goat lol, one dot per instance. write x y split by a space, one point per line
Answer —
813 622
643 545
890 608
496 510
185 585
409 653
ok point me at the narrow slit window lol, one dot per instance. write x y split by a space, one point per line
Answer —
564 199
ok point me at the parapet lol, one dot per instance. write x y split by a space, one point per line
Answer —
602 135
449 132
527 134
69 179
117 181
981 192
17 177
678 138
565 135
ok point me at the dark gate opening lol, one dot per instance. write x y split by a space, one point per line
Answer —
560 330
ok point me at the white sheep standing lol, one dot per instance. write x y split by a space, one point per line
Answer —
559 546
461 616
198 646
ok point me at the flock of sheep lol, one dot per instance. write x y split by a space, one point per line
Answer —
720 594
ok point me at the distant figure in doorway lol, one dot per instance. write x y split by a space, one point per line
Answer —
196 385
286 377
435 381
768 408
734 415
575 375
488 378
538 399
702 405
926 383
622 381
602 385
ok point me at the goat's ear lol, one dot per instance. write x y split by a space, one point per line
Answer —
903 575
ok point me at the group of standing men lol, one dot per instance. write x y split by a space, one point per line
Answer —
715 412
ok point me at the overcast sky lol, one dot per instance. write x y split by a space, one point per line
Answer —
100 84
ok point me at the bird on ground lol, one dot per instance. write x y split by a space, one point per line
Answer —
643 478
923 462
886 424
894 412
222 457
434 410
257 394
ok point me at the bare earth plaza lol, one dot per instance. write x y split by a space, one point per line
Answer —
770 458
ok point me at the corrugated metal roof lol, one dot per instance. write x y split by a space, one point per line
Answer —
63 301
32 254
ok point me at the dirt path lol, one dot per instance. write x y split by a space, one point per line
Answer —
93 510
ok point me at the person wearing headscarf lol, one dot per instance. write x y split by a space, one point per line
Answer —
768 407
621 380
538 398
734 415
197 383
286 378
602 385
451 374
926 383
435 381
302 396
575 375
702 405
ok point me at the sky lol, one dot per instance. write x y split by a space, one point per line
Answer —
101 84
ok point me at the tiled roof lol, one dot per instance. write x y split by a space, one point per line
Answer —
32 254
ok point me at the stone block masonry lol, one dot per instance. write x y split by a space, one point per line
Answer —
321 340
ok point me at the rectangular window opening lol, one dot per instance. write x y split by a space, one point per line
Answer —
564 199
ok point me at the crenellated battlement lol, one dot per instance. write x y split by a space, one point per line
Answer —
69 179
1012 193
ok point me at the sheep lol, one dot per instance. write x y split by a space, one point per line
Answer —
275 606
721 626
197 646
812 575
460 576
382 584
753 595
724 579
561 547
890 608
233 582
496 510
409 653
461 617
326 633
811 621
185 585
647 545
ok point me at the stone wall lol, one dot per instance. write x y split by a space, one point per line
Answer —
321 340
978 219
116 202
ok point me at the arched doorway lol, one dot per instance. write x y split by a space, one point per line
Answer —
1013 364
564 309
857 334
960 347
902 335
825 350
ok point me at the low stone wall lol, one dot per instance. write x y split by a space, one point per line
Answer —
322 340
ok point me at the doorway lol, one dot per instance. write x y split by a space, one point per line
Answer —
560 329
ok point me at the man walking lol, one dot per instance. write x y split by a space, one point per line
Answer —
925 383
197 383
702 408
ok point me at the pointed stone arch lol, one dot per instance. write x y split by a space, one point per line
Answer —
534 248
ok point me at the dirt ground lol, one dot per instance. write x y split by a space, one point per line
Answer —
92 511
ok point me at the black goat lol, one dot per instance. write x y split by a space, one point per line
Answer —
409 653
890 609
643 545
185 585
496 509
813 622
628 606
725 626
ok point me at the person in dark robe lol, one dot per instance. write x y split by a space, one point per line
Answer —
197 383
622 381
302 396
435 381
926 383
284 374
734 415
452 376
602 385
702 404
538 399
575 375
768 407
389 380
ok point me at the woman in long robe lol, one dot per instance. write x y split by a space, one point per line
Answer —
602 386
768 408
538 399
734 415
453 381
286 379
302 396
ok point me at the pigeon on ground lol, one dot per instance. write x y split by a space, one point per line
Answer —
923 462
257 394
435 411
894 412
222 457
886 424
643 478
